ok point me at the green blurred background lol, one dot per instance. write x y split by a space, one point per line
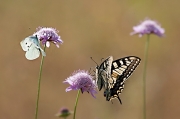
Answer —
89 29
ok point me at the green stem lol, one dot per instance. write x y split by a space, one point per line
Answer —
39 84
76 104
144 74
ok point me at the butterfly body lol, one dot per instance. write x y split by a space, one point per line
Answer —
32 47
116 74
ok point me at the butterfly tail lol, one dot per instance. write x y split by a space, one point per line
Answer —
119 100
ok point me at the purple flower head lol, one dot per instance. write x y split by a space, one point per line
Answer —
81 80
64 112
47 35
148 27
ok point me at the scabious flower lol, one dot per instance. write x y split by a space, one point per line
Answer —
148 26
81 80
47 35
64 112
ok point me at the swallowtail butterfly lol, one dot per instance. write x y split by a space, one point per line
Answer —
111 75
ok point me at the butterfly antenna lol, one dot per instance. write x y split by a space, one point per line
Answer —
94 61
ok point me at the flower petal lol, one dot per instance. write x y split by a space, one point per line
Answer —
45 34
81 80
48 44
148 27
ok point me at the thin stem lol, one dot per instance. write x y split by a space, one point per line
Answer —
144 74
39 84
77 97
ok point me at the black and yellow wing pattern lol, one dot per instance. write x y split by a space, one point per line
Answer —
114 75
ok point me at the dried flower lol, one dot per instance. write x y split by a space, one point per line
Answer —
148 27
47 35
64 112
81 80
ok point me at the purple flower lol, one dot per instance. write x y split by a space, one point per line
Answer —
64 112
148 26
47 35
81 80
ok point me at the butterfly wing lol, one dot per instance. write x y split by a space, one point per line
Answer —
32 53
102 72
120 71
35 40
26 43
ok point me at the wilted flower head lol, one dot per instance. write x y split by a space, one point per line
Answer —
47 35
148 27
81 80
64 112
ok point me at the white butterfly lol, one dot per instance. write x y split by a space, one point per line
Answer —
32 47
